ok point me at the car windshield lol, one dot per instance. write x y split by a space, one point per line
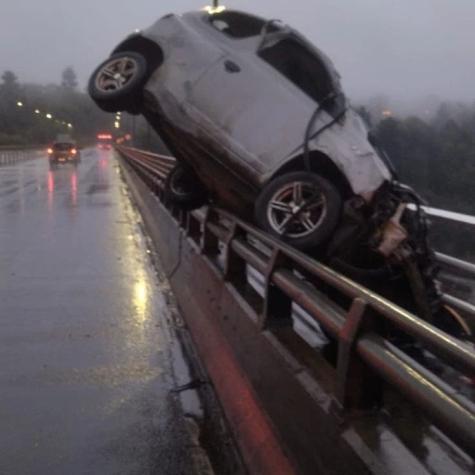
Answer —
63 146
304 69
236 24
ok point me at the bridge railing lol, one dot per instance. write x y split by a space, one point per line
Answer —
354 318
11 155
449 215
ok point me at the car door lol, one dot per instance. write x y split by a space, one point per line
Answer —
249 106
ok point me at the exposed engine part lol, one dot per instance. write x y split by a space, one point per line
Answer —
393 234
420 287
386 240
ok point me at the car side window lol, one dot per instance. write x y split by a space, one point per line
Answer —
237 25
300 66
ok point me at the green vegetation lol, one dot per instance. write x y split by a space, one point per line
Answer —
435 156
21 124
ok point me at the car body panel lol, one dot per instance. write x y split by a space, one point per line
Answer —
187 55
355 156
251 121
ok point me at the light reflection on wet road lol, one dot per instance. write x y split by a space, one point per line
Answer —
85 375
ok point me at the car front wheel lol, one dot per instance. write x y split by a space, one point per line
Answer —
117 83
300 208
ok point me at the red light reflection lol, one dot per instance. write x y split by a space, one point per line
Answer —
74 188
50 189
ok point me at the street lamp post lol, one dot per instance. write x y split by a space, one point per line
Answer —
215 3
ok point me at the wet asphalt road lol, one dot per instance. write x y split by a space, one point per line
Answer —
85 367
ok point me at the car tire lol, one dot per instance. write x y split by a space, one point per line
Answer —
124 92
301 208
183 188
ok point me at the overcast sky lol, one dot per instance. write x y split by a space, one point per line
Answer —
403 48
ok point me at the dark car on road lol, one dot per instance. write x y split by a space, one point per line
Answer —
257 119
63 150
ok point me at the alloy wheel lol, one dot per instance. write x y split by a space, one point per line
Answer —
297 209
116 74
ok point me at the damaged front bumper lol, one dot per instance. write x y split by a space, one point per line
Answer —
384 245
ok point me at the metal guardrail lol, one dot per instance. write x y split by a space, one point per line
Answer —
465 268
450 215
290 277
447 215
11 156
453 262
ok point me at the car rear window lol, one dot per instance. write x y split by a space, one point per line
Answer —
301 66
62 146
236 24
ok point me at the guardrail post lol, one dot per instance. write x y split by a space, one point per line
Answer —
183 218
209 242
193 227
357 386
158 188
234 265
277 305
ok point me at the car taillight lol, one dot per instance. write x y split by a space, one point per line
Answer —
50 150
74 151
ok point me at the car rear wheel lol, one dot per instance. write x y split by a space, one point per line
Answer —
183 188
300 208
117 83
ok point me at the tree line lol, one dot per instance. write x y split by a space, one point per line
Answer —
67 104
436 156
32 114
